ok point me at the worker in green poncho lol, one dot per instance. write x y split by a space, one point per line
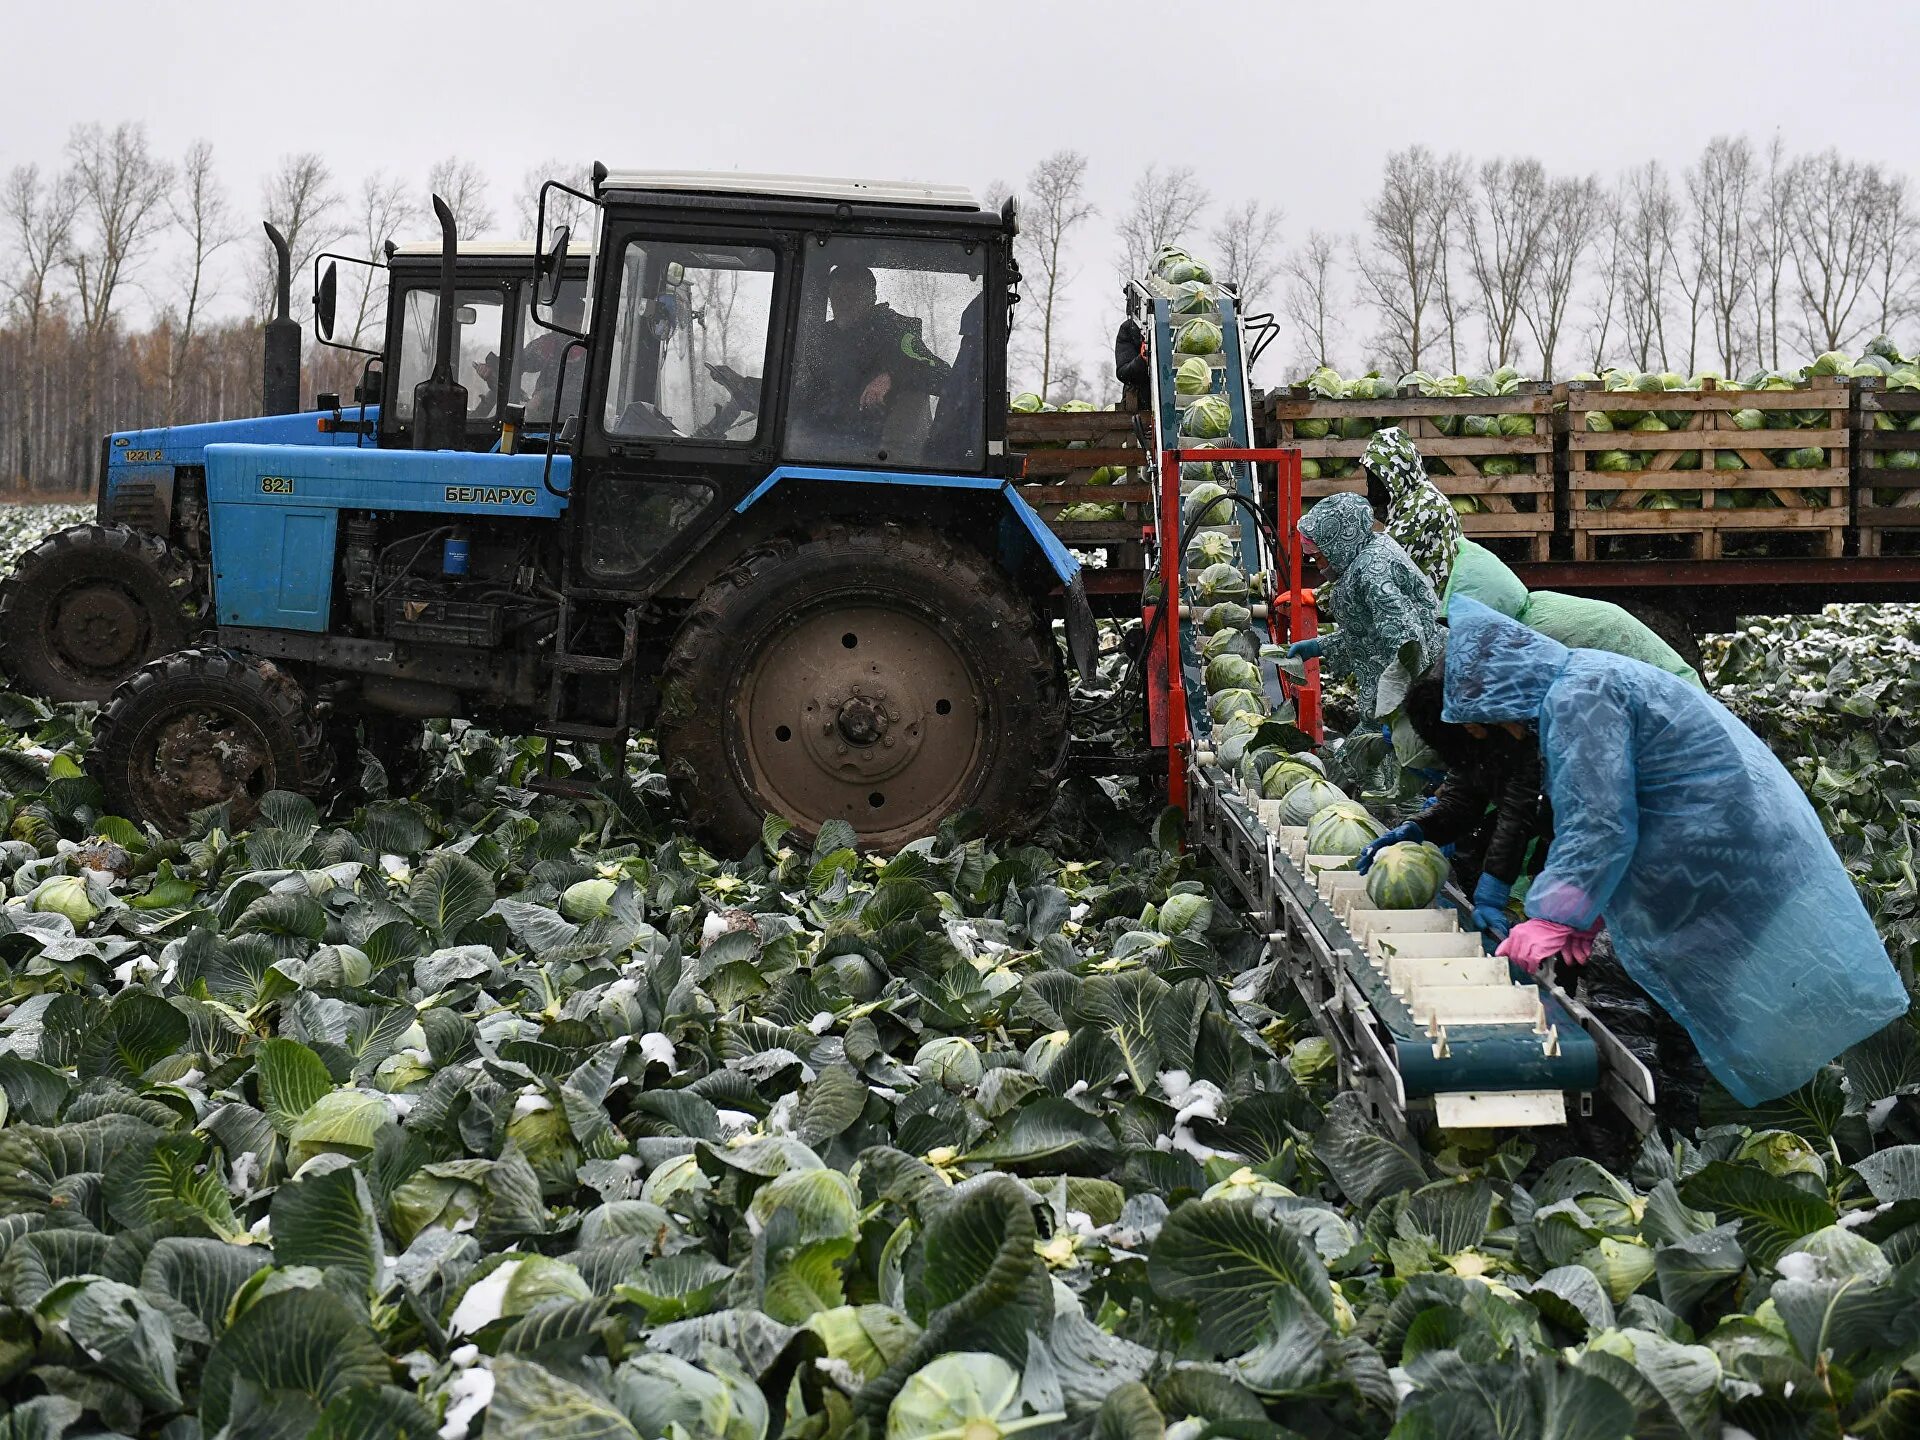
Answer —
1410 506
1579 624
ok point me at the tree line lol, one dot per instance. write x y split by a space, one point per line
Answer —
136 284
1749 257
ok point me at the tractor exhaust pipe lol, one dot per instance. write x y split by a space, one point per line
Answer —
440 402
280 369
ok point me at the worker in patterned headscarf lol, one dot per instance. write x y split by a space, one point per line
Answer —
1410 505
1378 599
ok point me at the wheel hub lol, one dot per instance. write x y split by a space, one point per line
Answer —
863 721
98 627
202 758
864 714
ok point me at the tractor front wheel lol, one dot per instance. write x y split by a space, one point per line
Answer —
880 675
206 727
87 607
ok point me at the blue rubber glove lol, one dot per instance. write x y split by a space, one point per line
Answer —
1304 649
1400 834
1490 906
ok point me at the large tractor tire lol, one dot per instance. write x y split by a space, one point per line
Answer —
207 727
88 606
880 675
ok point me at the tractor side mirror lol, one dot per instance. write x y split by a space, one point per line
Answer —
553 266
326 297
467 315
368 390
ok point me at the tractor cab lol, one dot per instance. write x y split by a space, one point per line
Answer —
755 336
502 355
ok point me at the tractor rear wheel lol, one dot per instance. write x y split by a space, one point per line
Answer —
880 675
87 607
207 727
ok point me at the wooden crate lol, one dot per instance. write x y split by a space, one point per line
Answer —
1058 475
1516 513
1888 523
1800 526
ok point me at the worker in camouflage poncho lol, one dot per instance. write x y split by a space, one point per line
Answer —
1378 598
1411 506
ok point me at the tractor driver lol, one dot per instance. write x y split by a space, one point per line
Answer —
544 359
878 378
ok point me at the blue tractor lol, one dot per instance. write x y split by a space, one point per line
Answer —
778 531
92 603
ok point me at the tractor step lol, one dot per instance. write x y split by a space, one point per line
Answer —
565 786
580 730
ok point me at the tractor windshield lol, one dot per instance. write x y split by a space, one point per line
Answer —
479 322
889 365
690 341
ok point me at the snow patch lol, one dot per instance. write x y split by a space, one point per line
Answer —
131 972
731 1120
821 1023
1798 1265
469 1393
1853 1219
531 1103
485 1300
1879 1110
656 1048
711 929
465 1356
245 1169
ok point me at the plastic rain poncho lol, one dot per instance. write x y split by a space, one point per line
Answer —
1418 515
1579 624
1725 899
1379 599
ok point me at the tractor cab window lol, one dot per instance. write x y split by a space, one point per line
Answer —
690 341
479 322
537 365
890 361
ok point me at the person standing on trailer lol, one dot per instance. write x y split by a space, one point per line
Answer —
1378 599
1677 830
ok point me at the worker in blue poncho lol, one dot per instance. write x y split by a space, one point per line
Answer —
1682 834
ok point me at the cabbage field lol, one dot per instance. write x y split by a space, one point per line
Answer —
475 1112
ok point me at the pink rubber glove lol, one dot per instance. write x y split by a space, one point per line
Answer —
1532 941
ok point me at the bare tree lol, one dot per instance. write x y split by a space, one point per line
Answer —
1770 249
1164 206
123 205
1246 250
384 205
1451 197
201 211
463 185
300 200
1309 301
1720 191
562 208
1569 215
1610 282
1400 261
1056 206
1504 226
40 220
1830 229
1649 217
1890 284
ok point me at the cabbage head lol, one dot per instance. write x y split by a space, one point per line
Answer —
1193 377
1198 337
64 895
586 900
1206 504
952 1060
1224 581
1209 417
965 1395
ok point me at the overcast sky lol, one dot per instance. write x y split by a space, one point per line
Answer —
1293 103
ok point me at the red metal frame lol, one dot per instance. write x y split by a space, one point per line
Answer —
1297 603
